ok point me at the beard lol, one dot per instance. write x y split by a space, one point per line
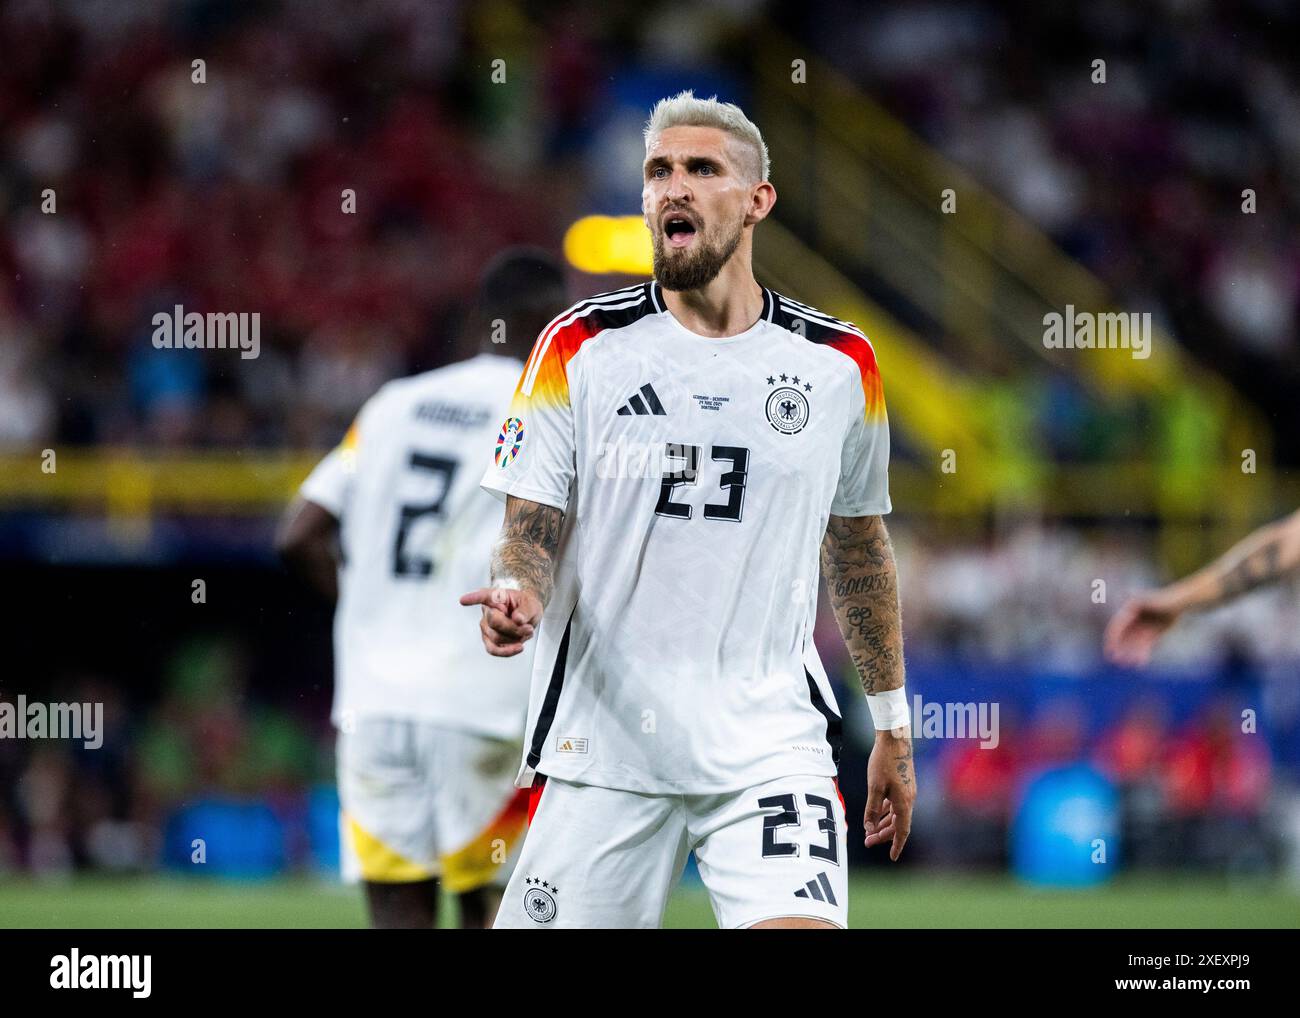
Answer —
697 266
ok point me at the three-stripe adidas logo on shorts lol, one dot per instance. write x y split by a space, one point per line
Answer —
819 889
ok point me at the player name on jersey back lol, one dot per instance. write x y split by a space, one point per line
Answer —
456 415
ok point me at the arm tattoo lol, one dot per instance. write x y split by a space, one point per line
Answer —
1260 566
525 553
862 581
903 761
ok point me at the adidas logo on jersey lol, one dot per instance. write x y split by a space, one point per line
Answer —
650 406
819 889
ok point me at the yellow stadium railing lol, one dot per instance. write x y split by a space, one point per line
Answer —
132 483
135 483
913 373
859 188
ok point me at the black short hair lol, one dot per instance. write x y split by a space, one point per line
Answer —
522 280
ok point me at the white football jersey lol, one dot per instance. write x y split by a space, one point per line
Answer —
417 532
697 476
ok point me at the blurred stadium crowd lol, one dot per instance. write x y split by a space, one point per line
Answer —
251 775
203 747
1029 594
222 740
230 201
1141 180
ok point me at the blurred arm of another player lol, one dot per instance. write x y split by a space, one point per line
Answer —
1268 554
862 581
307 542
522 576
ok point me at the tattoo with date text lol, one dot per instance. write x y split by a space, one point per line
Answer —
862 581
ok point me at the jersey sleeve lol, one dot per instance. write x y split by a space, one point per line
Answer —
535 453
863 488
329 485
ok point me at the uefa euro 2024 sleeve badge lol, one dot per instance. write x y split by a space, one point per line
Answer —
509 441
787 403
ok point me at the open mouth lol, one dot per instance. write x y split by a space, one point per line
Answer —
679 230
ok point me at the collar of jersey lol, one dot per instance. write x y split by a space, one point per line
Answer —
769 308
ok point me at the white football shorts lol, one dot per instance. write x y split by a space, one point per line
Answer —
603 858
419 801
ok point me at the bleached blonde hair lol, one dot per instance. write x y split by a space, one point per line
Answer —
685 110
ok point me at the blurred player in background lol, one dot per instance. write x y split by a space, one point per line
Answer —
1268 554
429 729
675 455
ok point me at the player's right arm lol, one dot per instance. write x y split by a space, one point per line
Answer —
307 539
533 469
1268 554
307 542
523 570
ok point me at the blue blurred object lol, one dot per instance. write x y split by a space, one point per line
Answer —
160 377
323 828
239 839
616 149
1066 830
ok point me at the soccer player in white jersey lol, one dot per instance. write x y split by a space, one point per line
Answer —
429 728
674 457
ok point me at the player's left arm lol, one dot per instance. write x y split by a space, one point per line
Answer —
862 581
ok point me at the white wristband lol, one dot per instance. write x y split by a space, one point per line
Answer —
889 710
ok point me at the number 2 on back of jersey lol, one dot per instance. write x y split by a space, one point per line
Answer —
405 562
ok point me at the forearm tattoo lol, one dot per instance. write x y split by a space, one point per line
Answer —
862 581
525 554
903 760
1258 567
